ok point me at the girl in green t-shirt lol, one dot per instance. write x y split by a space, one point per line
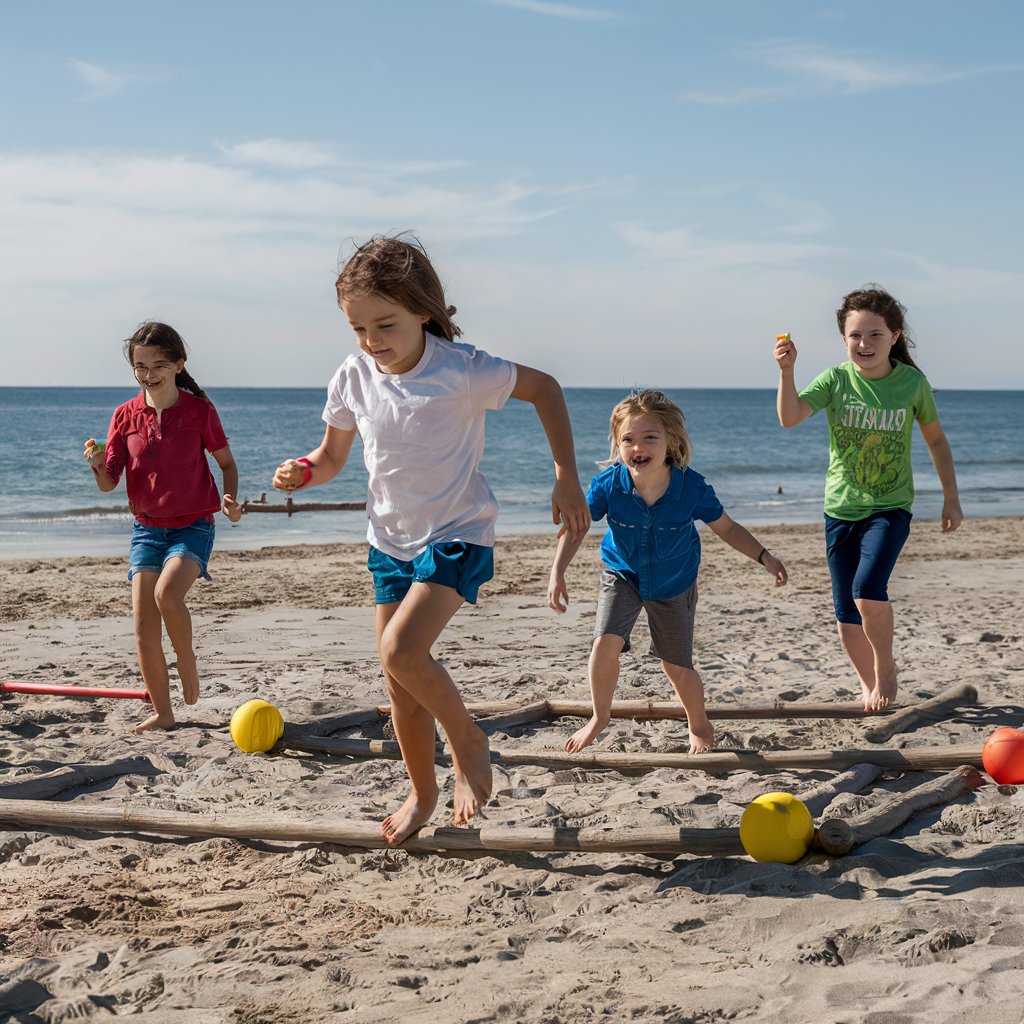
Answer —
872 401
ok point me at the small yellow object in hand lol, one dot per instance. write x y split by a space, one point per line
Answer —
783 337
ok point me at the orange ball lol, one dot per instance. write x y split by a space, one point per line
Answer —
1003 756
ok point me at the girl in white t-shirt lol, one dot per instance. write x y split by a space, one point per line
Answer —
417 399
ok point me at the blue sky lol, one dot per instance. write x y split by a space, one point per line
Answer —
619 193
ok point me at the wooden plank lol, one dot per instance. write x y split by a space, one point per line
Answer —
716 761
898 808
935 709
34 814
646 710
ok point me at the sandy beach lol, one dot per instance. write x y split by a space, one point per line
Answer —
923 924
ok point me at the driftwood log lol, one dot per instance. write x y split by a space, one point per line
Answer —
715 761
837 836
935 709
49 784
94 817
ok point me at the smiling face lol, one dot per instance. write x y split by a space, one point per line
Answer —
386 331
643 447
868 343
155 370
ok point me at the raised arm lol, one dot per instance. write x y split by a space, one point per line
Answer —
323 463
942 460
543 392
791 408
740 538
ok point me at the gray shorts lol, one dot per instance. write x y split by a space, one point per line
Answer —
619 605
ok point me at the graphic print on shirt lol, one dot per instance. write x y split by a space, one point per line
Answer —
872 445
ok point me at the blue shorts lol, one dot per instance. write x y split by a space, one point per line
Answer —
152 546
463 567
861 557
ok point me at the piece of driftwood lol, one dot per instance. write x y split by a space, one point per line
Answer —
289 506
895 810
94 817
716 761
856 780
644 710
49 784
332 723
506 720
935 709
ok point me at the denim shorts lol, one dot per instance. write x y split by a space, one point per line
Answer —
861 557
152 546
619 605
463 567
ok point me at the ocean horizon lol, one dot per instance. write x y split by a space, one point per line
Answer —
50 506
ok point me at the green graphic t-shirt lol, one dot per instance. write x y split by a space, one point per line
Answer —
870 424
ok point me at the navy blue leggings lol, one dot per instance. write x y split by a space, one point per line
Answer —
861 557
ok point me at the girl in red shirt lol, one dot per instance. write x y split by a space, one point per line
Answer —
159 441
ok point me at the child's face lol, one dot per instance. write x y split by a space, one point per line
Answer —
643 446
868 344
386 331
154 368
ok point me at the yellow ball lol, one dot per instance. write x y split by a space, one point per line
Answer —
776 827
256 725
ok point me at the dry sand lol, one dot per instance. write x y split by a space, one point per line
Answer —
926 924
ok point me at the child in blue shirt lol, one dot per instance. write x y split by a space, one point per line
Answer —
651 554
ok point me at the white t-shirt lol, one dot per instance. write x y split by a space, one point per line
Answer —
423 438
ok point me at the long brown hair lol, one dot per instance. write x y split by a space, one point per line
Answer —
399 269
168 340
873 298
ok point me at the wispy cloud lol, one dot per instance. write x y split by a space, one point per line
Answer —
572 12
812 70
101 83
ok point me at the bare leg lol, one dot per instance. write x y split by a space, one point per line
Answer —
862 657
878 629
690 690
174 583
604 677
148 634
414 727
405 645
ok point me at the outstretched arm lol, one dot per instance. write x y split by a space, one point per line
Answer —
324 463
542 391
558 595
740 538
791 407
942 459
229 471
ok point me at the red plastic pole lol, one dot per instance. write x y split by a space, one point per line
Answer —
71 691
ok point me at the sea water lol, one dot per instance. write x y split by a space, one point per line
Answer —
50 505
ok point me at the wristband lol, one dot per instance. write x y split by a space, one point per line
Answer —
307 472
760 557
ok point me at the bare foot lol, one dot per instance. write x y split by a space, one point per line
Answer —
155 722
412 815
188 673
702 734
472 776
882 695
585 736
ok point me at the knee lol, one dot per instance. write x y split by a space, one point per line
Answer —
397 657
607 646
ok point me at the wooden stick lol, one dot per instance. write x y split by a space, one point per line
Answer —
366 835
325 726
856 780
899 807
291 506
510 719
717 761
935 709
38 787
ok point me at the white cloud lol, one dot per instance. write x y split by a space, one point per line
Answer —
569 11
102 83
813 70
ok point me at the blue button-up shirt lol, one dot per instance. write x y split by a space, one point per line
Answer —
653 547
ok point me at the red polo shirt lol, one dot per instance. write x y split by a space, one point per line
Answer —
164 460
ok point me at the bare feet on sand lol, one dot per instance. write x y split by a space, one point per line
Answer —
412 815
585 736
188 673
702 734
155 722
882 695
472 775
